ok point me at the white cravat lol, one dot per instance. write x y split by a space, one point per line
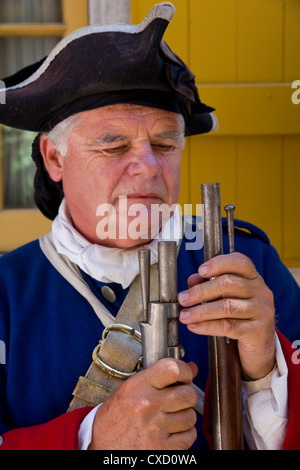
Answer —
103 263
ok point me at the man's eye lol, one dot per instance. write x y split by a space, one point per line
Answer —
116 150
163 148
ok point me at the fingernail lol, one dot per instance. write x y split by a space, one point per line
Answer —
203 270
183 297
184 315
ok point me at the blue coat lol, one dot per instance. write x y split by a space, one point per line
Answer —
49 329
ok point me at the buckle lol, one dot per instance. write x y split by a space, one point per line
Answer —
105 367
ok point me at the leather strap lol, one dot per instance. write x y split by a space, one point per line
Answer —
118 350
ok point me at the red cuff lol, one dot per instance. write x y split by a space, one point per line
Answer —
292 438
59 434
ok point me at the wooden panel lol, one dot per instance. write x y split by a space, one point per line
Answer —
259 176
253 109
177 32
213 40
260 47
21 226
31 29
292 41
75 14
291 201
213 160
259 185
185 190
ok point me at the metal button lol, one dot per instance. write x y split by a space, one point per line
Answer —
1 440
108 293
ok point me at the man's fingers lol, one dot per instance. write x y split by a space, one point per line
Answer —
195 279
224 286
182 440
179 397
230 276
181 421
228 308
166 372
235 263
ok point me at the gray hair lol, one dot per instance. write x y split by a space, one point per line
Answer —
60 134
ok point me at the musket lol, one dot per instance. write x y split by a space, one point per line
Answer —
224 363
159 328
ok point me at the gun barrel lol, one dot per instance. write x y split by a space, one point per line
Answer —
167 280
167 271
213 240
154 334
160 330
224 364
160 320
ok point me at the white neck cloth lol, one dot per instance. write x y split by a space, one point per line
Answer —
103 263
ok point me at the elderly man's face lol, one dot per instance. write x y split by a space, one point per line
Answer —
117 151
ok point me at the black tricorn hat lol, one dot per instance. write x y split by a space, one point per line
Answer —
97 66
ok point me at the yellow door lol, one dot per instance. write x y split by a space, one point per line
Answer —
245 55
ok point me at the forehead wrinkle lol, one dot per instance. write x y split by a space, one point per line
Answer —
118 128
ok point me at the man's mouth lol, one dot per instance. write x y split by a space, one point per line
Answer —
142 196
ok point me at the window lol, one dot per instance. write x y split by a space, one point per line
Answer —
29 30
17 52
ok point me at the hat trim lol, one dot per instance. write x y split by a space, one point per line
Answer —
215 122
144 97
163 11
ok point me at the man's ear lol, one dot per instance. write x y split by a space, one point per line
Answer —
52 159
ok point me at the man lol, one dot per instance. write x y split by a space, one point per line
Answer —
114 134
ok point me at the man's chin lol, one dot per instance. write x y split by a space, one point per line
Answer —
124 244
129 232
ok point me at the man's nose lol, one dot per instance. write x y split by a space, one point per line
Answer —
143 161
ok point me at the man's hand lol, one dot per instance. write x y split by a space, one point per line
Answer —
236 304
151 410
